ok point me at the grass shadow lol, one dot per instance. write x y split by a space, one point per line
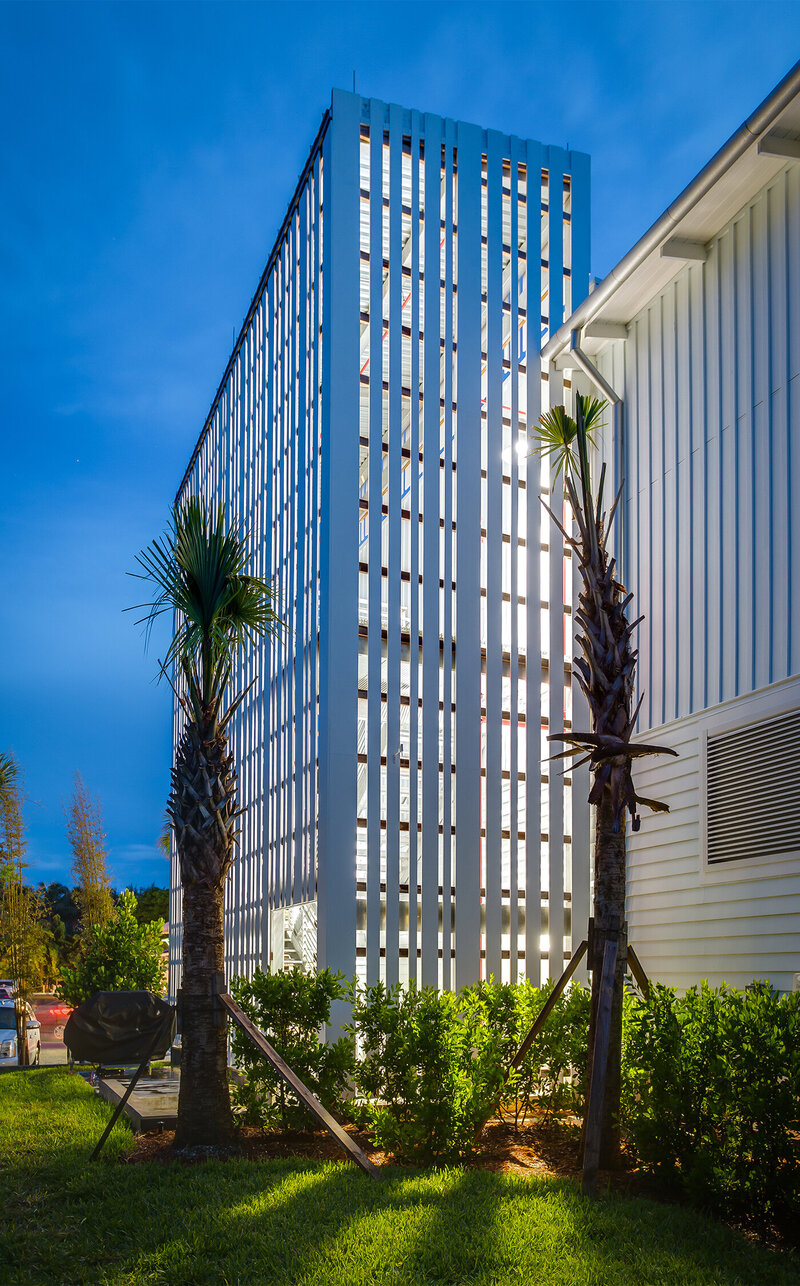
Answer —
243 1223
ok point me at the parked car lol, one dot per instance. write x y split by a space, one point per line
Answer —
53 1015
8 1036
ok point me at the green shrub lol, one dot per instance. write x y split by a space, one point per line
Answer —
430 1066
552 1076
120 955
289 1008
711 1095
711 1080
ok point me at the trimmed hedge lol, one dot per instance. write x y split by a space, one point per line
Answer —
711 1080
289 1008
711 1095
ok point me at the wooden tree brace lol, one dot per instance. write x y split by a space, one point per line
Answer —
547 1008
132 1085
293 1081
638 972
597 938
541 1019
218 988
597 1092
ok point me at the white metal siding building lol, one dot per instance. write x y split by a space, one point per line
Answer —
370 432
697 331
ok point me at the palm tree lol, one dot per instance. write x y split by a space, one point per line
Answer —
606 673
198 567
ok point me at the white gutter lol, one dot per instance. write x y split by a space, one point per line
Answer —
589 369
581 360
719 164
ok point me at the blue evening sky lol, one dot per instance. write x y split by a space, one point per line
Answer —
148 152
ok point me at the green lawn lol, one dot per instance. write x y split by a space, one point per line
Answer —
241 1223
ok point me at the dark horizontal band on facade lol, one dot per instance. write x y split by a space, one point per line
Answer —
404 575
505 954
363 695
363 824
404 762
505 774
505 894
505 657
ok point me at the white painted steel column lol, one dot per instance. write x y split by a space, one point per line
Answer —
393 647
468 551
414 801
375 527
555 897
339 545
533 586
492 847
447 573
430 564
515 770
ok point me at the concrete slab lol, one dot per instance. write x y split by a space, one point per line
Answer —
152 1106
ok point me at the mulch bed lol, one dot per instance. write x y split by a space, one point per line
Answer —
538 1148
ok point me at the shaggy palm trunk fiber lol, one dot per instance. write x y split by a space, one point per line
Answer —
609 914
203 809
204 1104
605 672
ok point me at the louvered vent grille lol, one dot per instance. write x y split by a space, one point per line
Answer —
753 790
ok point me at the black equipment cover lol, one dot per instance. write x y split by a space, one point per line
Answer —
113 1028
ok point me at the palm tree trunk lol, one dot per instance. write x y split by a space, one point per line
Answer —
204 1104
609 920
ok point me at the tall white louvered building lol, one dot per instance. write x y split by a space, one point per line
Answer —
371 433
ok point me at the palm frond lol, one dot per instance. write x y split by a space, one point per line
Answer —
593 409
198 567
554 435
9 772
566 439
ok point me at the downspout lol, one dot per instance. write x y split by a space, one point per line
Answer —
617 427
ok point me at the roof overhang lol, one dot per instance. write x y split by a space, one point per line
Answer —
758 151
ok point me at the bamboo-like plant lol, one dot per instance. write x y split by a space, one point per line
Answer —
198 567
89 858
606 674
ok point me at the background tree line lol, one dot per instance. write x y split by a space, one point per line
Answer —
50 931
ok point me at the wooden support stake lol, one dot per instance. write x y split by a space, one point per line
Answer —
547 1008
217 988
638 972
541 1019
594 1112
131 1086
311 1102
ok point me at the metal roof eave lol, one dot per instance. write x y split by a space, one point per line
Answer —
732 176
